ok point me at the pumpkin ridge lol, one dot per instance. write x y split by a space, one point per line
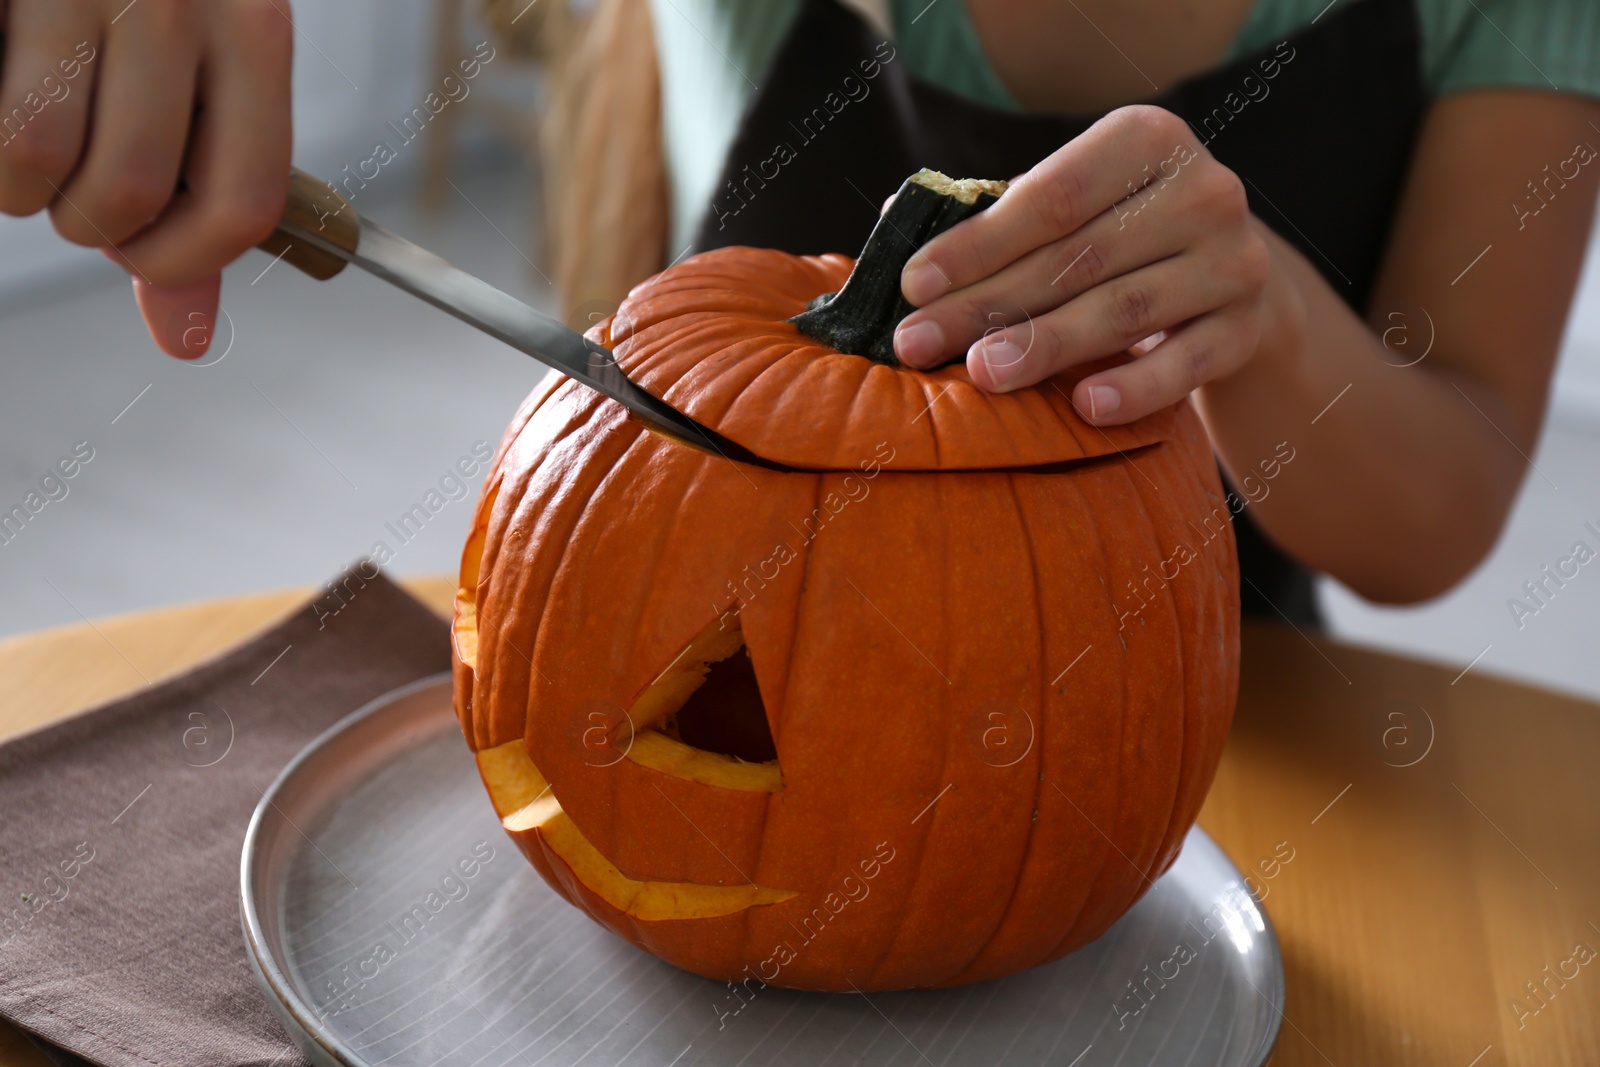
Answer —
747 933
1096 885
1052 416
1064 422
570 436
543 390
1132 857
933 424
1039 732
573 510
736 396
663 535
487 651
799 604
767 709
939 566
1181 779
490 634
1195 763
464 682
659 357
773 715
617 473
1095 535
1184 737
860 396
1104 568
1176 605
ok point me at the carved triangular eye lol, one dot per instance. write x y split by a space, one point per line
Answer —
725 715
703 719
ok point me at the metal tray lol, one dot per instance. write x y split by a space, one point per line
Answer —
375 947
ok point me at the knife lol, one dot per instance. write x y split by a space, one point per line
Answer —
320 233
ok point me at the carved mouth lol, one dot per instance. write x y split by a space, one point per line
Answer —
527 805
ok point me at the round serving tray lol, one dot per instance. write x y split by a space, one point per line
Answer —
391 922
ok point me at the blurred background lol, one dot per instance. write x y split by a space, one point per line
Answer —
326 413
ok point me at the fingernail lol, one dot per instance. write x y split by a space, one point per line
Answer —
1002 359
1103 401
921 282
180 318
920 344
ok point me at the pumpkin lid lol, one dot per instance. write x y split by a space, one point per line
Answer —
710 336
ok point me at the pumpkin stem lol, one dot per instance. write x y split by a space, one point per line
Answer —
861 317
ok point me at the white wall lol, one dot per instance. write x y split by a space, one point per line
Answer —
1577 388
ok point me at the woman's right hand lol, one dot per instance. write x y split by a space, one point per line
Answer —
155 130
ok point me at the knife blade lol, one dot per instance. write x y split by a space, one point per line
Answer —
320 232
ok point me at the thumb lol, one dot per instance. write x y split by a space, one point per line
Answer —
181 318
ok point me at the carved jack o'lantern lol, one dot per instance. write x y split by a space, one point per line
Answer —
931 706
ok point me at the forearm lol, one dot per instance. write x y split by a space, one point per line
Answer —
1402 475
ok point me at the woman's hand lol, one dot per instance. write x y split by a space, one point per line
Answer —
197 91
1130 233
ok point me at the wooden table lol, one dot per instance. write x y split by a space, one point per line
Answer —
1427 843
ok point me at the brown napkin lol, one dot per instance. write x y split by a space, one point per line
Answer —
120 833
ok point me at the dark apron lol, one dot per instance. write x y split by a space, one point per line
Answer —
1320 128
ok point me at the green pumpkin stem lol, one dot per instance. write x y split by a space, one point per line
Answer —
861 317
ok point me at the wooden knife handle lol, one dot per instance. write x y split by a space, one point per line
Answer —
317 207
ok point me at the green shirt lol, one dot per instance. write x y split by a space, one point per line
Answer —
714 54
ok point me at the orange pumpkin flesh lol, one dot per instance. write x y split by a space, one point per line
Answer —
533 817
946 558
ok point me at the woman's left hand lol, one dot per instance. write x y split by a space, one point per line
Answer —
1130 233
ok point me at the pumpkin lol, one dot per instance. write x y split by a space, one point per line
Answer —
930 697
